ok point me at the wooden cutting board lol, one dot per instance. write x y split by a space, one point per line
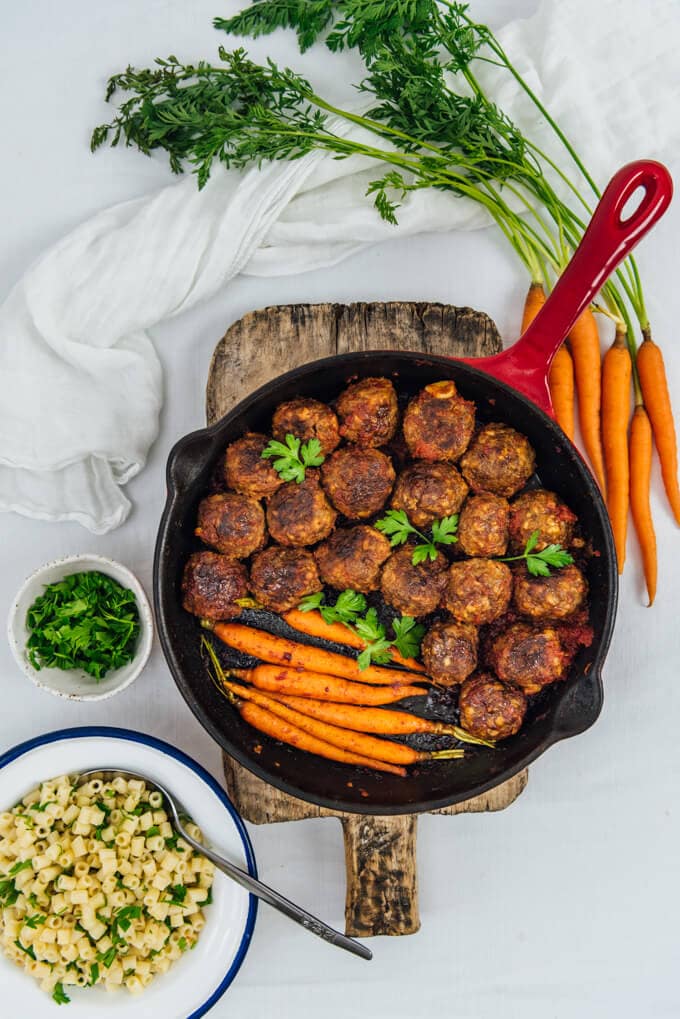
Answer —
380 852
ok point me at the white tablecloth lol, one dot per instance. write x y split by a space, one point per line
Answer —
565 905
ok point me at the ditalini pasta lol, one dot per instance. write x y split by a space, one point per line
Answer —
96 887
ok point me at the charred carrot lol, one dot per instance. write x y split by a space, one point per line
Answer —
276 727
533 303
640 470
652 372
353 742
279 680
280 651
314 625
377 720
561 384
584 342
616 379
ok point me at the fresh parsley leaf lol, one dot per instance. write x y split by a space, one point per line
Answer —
94 973
178 894
444 531
153 830
124 917
85 621
34 921
292 457
19 866
107 957
29 951
182 944
539 564
407 636
41 807
8 892
397 526
312 602
59 994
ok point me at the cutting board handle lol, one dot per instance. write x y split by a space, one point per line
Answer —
382 888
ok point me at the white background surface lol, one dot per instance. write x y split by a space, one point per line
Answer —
566 904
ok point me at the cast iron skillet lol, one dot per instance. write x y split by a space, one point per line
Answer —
564 709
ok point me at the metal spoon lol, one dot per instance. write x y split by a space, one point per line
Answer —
251 884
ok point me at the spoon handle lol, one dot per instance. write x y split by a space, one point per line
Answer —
280 902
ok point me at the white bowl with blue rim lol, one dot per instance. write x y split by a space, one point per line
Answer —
200 977
76 684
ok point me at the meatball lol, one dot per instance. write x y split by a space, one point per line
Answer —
307 419
478 590
247 471
352 558
544 512
449 651
413 590
483 525
300 513
231 523
429 491
211 584
555 597
281 577
499 460
438 423
489 709
527 656
368 412
358 481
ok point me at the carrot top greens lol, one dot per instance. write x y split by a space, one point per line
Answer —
85 621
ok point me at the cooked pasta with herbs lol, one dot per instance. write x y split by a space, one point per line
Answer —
96 887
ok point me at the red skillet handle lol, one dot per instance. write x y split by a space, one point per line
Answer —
607 240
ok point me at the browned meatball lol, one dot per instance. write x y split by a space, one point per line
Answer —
489 709
231 523
478 590
555 597
307 419
483 525
368 412
429 491
247 471
211 584
358 481
527 656
413 590
544 512
300 514
499 460
281 577
438 423
449 651
352 557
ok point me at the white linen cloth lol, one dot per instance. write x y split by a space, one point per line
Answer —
80 380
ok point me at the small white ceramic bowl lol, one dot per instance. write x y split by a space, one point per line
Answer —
75 684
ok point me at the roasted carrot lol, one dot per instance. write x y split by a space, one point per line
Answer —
276 727
561 384
353 742
279 651
379 720
616 377
277 679
584 343
533 303
654 385
314 625
640 470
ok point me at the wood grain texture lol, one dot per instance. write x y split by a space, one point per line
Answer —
380 852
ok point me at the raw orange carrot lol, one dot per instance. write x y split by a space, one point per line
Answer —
584 343
280 680
314 625
533 303
616 377
379 720
640 470
274 726
561 383
354 742
652 372
279 651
